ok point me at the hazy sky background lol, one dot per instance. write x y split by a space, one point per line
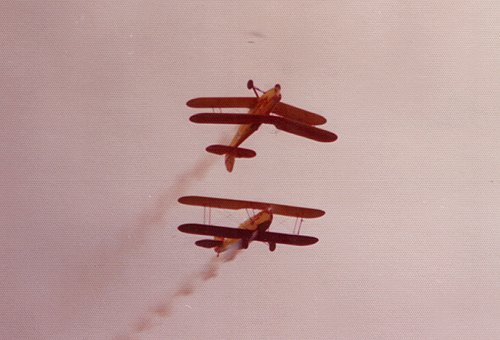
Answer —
96 147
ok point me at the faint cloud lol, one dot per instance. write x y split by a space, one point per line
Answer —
254 36
257 34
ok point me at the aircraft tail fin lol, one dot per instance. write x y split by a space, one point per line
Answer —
229 160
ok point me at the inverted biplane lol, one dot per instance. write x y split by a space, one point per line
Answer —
285 117
255 228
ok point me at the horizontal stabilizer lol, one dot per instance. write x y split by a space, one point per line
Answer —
236 152
208 243
244 102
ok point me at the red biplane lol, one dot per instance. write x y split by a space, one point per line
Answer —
255 228
286 117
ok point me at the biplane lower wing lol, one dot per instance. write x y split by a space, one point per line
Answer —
225 203
288 125
212 230
291 239
298 114
268 237
304 130
220 102
229 118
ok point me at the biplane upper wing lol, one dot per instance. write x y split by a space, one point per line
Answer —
285 124
291 239
224 203
212 230
247 102
298 114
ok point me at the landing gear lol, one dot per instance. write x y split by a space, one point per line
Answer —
250 84
272 246
244 243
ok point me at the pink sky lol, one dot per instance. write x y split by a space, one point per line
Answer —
97 146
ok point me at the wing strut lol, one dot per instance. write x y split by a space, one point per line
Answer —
299 225
207 215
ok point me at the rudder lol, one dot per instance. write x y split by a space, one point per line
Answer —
229 161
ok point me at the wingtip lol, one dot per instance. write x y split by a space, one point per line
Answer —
185 199
321 213
190 102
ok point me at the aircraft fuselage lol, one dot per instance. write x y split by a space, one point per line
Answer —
264 106
258 223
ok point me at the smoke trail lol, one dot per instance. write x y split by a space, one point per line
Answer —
103 266
95 273
165 308
152 218
109 261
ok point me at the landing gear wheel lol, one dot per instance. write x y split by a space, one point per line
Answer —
272 246
244 243
250 84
